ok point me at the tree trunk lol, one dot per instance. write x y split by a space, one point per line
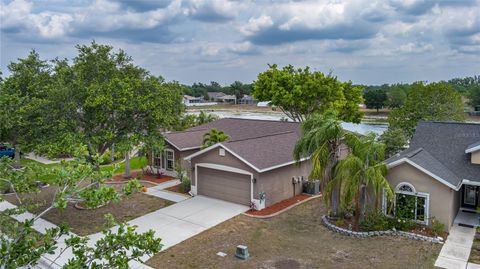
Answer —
112 152
17 157
357 211
336 192
127 173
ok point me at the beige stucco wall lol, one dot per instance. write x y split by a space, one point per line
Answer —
476 157
214 157
277 184
444 201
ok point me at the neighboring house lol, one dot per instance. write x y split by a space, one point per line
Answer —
215 96
441 169
228 99
256 160
190 100
247 100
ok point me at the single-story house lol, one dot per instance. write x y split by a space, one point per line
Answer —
254 166
191 100
228 99
247 100
215 96
439 174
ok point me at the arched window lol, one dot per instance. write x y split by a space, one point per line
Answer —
410 204
405 187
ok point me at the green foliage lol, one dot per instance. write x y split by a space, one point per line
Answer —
438 228
114 249
427 102
321 139
191 120
397 95
474 95
21 245
375 220
132 187
185 185
213 137
394 140
360 170
300 93
237 88
375 98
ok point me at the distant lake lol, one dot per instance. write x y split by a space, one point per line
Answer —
361 128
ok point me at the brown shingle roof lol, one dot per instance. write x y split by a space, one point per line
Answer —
262 143
237 129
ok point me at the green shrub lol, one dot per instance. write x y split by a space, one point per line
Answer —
437 227
4 186
402 224
339 222
185 185
375 220
106 158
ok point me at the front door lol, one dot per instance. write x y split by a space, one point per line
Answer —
470 196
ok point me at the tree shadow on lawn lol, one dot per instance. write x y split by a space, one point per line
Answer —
86 222
295 238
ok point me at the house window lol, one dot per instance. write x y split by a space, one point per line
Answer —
157 160
410 204
169 159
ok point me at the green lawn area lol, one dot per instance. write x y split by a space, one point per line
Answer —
135 163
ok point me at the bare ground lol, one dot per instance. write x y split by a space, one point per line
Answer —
85 222
295 239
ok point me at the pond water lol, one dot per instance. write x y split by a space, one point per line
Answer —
361 128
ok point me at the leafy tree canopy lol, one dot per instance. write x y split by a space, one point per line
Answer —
300 92
428 102
375 98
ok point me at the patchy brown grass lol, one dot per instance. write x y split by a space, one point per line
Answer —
85 222
295 239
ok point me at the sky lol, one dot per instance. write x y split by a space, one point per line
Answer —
364 41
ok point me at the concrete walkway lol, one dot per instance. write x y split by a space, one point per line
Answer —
456 250
44 160
159 191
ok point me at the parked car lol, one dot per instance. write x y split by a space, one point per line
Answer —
6 151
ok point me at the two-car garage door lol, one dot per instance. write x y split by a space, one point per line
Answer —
228 186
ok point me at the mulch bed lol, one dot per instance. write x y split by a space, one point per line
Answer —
278 206
175 188
135 174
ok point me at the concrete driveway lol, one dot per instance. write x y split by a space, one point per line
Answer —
185 219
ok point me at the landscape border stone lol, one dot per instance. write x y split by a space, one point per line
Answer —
332 227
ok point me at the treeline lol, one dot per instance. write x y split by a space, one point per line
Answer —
199 89
394 95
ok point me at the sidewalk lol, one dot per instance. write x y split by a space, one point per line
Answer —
160 192
456 250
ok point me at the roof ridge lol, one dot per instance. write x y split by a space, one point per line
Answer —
451 122
262 136
230 118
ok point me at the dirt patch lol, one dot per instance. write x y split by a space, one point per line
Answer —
175 188
278 206
85 222
296 235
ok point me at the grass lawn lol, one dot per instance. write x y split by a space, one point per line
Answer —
135 163
294 239
85 222
475 252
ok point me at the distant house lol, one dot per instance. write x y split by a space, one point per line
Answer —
439 174
215 96
190 100
247 100
228 99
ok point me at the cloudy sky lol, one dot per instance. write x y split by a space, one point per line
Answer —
365 41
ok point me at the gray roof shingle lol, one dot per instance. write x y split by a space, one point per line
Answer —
439 147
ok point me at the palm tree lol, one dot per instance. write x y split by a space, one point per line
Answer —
213 137
204 117
321 139
360 171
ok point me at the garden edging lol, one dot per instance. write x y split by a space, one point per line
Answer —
283 210
334 228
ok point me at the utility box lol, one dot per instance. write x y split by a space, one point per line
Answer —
311 187
242 252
